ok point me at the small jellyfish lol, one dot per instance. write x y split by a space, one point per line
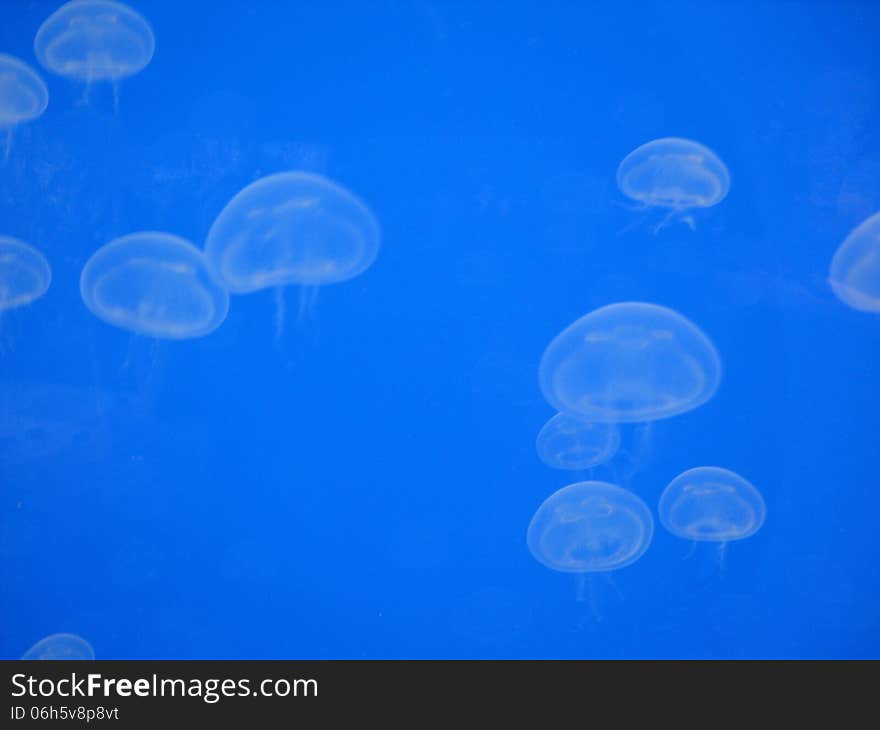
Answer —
292 228
24 273
855 268
568 442
629 362
154 284
60 646
23 96
95 40
590 527
674 174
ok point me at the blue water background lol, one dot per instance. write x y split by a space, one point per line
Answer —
361 488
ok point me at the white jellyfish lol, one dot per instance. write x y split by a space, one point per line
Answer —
292 228
23 96
855 268
25 275
678 175
569 442
59 647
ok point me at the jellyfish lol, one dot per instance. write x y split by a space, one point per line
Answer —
590 527
60 646
24 274
23 96
292 228
95 40
678 175
154 284
855 267
711 504
568 442
629 362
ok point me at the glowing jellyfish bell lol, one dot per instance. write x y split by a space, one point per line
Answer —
629 362
95 40
568 442
154 284
58 647
855 267
24 274
675 174
292 228
590 527
23 96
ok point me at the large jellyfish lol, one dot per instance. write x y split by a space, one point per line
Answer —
95 40
24 273
629 362
855 268
154 284
675 174
711 504
568 442
292 228
60 646
23 96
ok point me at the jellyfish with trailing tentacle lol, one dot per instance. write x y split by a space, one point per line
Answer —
588 528
95 41
709 504
23 96
25 275
154 284
59 647
292 229
676 175
855 267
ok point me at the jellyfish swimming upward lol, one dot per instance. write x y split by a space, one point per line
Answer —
59 647
95 40
292 228
24 273
23 96
629 362
675 174
568 442
154 284
855 268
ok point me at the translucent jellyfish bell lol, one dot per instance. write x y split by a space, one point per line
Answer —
590 527
673 173
60 646
24 273
568 442
94 40
711 504
154 284
855 268
629 362
23 95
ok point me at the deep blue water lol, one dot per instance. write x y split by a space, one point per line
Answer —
361 488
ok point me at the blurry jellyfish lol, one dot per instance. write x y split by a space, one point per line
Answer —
711 504
24 273
855 268
629 362
568 442
60 646
154 284
23 96
95 40
292 228
675 174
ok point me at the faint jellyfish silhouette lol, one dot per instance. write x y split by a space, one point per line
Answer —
24 274
675 174
711 504
590 527
23 96
855 268
60 646
630 362
95 40
569 442
153 284
292 228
